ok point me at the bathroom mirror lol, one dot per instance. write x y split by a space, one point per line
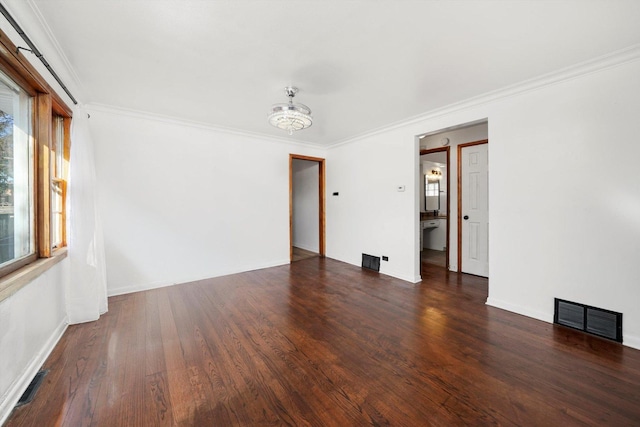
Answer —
431 194
433 167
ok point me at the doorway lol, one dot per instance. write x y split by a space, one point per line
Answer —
306 207
440 141
434 207
473 208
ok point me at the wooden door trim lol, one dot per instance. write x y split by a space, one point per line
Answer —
448 151
321 201
460 147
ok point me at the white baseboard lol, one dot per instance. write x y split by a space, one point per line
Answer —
307 248
390 273
19 386
128 289
518 309
406 278
629 340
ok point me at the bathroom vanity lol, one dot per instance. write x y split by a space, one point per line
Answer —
433 233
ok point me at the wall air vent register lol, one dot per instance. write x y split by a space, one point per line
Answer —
593 320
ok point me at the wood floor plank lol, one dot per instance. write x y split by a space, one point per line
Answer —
179 385
72 364
323 343
276 350
157 405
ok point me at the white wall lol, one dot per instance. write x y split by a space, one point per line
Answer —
577 238
306 205
31 322
370 215
181 202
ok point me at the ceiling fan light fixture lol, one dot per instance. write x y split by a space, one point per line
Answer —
289 116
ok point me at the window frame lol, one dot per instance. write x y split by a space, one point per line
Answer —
60 149
46 105
432 188
21 260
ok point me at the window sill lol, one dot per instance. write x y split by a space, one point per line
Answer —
12 283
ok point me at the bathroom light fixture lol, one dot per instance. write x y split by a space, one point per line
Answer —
434 175
290 117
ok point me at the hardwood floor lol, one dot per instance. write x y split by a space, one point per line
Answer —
300 254
432 257
323 343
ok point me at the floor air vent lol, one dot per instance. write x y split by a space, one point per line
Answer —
371 262
30 392
596 321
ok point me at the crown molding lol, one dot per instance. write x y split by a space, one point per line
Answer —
595 65
28 16
48 33
121 111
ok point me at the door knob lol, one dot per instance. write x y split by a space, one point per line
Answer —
466 217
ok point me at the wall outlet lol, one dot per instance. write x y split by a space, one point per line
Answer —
385 258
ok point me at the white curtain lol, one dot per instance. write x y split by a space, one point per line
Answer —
87 284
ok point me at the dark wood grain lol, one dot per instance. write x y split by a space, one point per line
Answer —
323 343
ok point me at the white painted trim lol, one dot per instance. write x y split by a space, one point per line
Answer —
19 386
121 290
398 275
629 340
120 111
518 309
401 276
56 45
395 275
307 248
16 38
619 57
595 65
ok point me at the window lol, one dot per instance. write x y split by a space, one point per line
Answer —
34 153
59 171
16 173
433 188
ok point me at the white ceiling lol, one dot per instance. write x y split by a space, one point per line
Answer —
360 65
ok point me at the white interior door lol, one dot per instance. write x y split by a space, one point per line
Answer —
475 210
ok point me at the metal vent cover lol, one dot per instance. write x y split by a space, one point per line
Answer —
570 314
371 262
593 320
602 323
33 387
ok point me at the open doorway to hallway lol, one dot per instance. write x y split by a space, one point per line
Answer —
306 207
440 229
434 206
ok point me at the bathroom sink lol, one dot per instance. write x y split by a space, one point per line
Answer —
431 223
